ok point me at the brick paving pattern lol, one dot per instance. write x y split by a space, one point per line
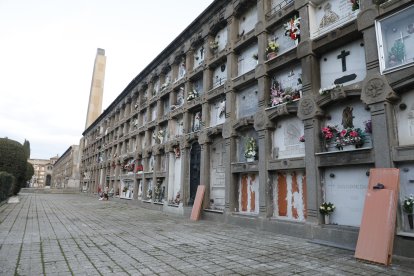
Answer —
49 234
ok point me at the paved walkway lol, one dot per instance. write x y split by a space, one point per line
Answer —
49 234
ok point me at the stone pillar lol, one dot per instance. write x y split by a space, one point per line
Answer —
185 175
205 166
308 112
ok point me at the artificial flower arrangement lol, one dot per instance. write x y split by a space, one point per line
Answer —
214 45
408 204
325 90
272 47
344 137
278 95
192 95
250 148
368 126
292 28
326 208
355 5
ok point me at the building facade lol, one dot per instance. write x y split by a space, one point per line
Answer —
43 168
276 107
66 170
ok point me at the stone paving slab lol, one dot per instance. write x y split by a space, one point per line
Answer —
52 234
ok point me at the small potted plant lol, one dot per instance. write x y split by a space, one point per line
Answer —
272 49
326 209
407 206
250 149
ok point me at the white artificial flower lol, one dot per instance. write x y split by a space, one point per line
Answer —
329 208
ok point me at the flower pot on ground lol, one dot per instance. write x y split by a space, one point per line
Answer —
408 206
326 209
327 219
410 220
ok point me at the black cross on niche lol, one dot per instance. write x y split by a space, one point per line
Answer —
343 57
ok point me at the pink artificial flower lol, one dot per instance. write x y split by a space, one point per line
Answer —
343 133
353 133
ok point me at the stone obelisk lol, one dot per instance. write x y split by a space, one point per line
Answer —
97 86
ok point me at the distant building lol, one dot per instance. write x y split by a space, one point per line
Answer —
66 169
42 177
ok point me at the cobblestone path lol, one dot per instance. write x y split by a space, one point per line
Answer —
49 234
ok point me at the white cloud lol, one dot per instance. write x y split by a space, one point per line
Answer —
47 52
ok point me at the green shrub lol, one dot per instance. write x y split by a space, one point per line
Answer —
29 171
6 183
13 160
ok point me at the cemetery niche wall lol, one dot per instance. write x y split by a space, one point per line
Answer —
275 106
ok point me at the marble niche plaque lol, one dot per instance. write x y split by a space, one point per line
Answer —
286 142
247 101
217 174
199 54
343 66
405 119
218 112
350 112
174 176
285 42
346 187
286 85
406 189
221 38
329 15
248 20
219 75
246 60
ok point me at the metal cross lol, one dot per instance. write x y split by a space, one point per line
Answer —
342 56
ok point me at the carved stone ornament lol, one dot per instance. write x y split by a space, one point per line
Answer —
376 89
260 120
308 108
337 93
227 129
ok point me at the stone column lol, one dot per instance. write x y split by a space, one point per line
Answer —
205 166
309 112
185 175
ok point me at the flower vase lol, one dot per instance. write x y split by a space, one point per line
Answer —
271 55
410 220
249 159
327 219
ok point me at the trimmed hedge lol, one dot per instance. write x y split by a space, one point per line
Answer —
13 160
6 183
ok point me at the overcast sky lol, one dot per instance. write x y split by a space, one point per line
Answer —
47 51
